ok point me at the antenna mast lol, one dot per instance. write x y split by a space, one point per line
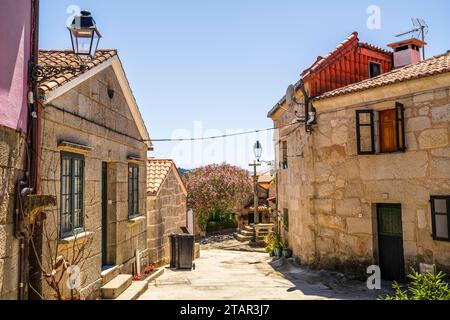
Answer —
420 30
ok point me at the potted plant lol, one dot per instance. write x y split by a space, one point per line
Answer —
287 253
269 245
276 244
149 269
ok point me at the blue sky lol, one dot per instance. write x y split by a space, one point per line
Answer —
208 67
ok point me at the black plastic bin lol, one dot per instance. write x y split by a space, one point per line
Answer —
182 251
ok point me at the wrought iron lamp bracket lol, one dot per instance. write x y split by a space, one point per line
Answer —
43 73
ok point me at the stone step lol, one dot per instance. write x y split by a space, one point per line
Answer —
249 228
116 286
242 238
247 233
109 273
134 291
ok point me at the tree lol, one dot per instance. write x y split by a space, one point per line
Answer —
218 188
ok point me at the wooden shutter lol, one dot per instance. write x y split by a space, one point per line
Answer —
388 131
400 126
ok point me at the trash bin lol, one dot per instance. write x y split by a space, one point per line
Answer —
182 251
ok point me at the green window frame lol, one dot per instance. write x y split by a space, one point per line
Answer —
286 219
133 190
440 217
72 194
284 154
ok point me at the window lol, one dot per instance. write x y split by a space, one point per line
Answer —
440 215
133 190
365 132
391 130
374 69
284 153
286 219
72 194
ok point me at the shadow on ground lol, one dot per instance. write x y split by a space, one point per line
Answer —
327 284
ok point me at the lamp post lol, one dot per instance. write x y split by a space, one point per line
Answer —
85 38
257 149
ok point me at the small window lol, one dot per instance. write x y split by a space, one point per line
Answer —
365 132
284 152
286 219
392 130
440 216
133 190
375 69
72 194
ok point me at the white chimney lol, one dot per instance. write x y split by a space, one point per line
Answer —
407 52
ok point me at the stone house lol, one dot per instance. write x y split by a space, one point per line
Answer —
244 212
15 53
166 207
93 150
368 182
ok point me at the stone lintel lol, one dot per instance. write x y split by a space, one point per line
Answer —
74 147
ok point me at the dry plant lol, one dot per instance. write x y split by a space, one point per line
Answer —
59 263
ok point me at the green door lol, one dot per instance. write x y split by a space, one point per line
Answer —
390 240
104 213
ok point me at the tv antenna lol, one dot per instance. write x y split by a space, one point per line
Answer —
420 31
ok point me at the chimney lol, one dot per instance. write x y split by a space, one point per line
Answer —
407 52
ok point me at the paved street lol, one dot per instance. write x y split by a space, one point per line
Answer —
225 275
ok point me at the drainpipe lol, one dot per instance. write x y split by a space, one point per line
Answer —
29 185
35 112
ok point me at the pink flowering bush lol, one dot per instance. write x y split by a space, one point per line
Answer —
216 188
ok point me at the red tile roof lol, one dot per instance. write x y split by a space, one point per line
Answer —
433 66
321 62
316 72
56 58
157 171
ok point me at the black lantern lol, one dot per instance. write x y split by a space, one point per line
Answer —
258 150
85 35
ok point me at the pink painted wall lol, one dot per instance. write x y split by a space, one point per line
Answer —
15 34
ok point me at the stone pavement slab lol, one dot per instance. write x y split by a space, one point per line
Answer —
238 275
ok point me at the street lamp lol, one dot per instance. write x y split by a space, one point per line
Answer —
85 38
84 35
257 149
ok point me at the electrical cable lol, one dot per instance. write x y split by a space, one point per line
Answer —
223 136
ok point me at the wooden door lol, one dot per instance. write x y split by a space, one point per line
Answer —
388 131
390 242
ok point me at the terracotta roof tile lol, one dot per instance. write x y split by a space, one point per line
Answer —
157 171
433 66
56 58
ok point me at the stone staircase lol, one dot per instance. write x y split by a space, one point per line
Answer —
245 234
248 232
118 286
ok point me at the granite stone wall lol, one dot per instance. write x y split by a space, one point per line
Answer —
166 213
90 101
331 191
12 167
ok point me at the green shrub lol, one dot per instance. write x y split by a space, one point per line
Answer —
427 286
272 241
219 220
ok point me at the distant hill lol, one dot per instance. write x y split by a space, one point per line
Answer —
183 171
